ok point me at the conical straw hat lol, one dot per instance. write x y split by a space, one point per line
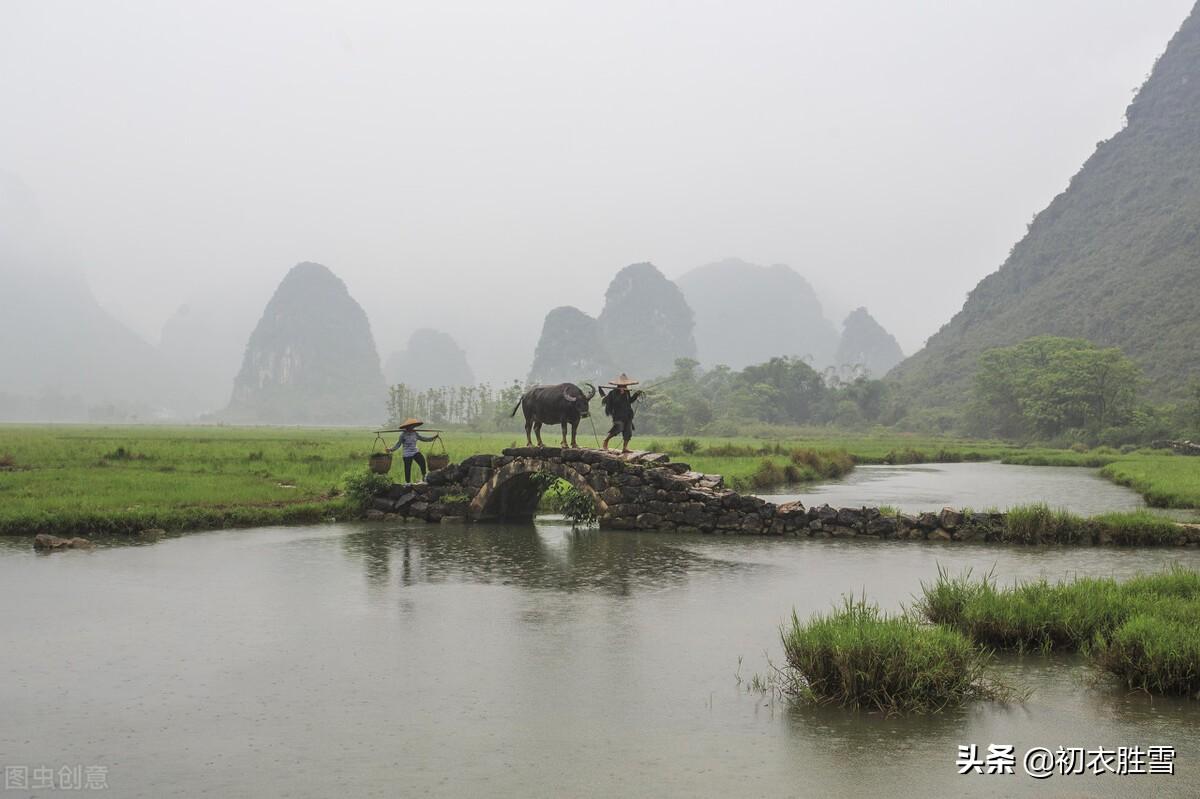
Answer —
411 422
624 380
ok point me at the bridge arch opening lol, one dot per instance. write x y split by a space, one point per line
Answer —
514 492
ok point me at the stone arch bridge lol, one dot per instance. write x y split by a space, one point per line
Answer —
639 490
646 491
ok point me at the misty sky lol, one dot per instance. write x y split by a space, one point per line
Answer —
468 166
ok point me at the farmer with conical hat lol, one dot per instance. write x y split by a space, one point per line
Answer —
618 403
407 443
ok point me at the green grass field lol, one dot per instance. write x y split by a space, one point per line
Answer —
72 479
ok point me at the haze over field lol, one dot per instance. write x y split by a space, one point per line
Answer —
464 166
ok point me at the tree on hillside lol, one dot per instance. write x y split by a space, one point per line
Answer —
1046 386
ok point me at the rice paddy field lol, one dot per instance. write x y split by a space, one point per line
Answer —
81 479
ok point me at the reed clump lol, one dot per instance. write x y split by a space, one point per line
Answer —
1156 652
1031 524
860 657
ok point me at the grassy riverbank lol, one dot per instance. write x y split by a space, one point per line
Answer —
68 479
1165 480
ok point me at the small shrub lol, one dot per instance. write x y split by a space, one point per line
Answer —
255 456
689 446
7 463
362 486
1080 447
578 507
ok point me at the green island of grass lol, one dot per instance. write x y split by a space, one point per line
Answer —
860 657
1144 631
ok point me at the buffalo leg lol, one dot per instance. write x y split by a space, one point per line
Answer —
528 428
564 434
537 430
574 427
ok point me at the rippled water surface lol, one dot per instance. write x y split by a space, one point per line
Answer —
970 485
390 659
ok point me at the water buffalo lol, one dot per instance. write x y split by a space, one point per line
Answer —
562 404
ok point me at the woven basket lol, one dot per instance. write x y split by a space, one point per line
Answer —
438 460
380 462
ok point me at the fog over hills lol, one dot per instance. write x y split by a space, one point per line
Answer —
1114 259
206 338
431 359
63 356
183 156
747 314
865 344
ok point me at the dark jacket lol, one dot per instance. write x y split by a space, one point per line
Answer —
619 404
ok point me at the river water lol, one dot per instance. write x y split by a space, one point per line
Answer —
980 486
396 659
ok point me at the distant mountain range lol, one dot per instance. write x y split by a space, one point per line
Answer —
730 313
645 326
1114 259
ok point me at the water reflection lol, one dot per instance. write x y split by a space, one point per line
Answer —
544 556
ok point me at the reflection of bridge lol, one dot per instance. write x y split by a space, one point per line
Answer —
641 490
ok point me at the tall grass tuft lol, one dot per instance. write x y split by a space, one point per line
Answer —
770 474
1033 524
826 463
859 657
